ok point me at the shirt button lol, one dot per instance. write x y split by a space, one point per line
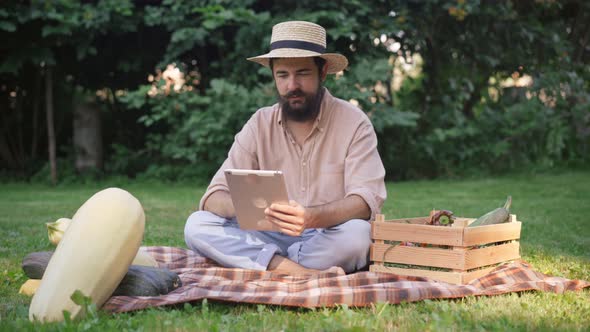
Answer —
304 163
302 188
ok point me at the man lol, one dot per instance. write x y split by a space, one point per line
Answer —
327 150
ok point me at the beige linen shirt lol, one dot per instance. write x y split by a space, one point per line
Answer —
338 158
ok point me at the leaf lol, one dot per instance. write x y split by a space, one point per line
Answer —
7 26
88 307
49 30
207 10
79 298
11 65
83 50
211 24
191 35
13 62
205 307
153 16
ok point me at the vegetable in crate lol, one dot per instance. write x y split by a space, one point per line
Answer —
497 216
441 218
436 218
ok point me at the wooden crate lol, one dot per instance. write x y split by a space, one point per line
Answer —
464 256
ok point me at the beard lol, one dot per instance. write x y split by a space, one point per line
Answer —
303 111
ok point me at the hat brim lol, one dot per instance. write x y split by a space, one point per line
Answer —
336 62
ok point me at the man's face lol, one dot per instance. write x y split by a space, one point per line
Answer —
298 83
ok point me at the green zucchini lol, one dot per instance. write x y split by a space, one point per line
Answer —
497 216
34 264
138 281
147 281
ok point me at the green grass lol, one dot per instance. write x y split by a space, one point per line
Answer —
554 209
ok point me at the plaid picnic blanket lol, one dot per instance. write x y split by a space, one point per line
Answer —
202 278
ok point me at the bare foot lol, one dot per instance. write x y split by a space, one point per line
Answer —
284 265
335 270
331 271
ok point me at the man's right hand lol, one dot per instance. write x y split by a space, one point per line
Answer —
291 219
221 204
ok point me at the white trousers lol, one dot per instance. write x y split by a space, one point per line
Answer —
345 245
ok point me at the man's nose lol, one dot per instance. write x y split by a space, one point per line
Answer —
293 83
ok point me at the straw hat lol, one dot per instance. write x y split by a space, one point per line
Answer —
297 39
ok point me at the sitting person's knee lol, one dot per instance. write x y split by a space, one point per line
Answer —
350 248
199 216
357 237
197 221
204 218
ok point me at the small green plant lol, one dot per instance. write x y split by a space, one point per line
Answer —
88 307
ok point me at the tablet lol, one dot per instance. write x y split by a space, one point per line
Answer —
252 191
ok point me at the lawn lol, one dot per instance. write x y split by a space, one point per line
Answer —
554 209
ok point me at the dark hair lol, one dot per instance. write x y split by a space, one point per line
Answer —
319 62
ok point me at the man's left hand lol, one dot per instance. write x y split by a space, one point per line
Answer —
291 219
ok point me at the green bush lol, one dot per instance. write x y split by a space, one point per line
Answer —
547 126
443 121
195 130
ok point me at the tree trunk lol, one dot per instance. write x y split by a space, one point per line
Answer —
474 98
87 136
50 125
8 157
19 146
431 67
35 117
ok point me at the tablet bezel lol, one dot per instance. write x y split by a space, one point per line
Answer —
251 192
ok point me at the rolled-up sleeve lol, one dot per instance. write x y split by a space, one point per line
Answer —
364 171
242 155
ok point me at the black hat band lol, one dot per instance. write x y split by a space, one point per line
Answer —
298 44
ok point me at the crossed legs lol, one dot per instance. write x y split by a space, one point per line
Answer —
345 245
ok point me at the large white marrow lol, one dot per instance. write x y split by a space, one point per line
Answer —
93 256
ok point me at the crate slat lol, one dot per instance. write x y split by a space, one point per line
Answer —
450 277
457 278
443 258
462 222
394 231
491 233
491 255
414 221
378 218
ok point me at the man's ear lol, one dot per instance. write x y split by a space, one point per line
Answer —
324 72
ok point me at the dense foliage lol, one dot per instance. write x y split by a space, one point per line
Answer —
451 86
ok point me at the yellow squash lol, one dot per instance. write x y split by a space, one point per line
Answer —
93 255
143 258
56 229
29 287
